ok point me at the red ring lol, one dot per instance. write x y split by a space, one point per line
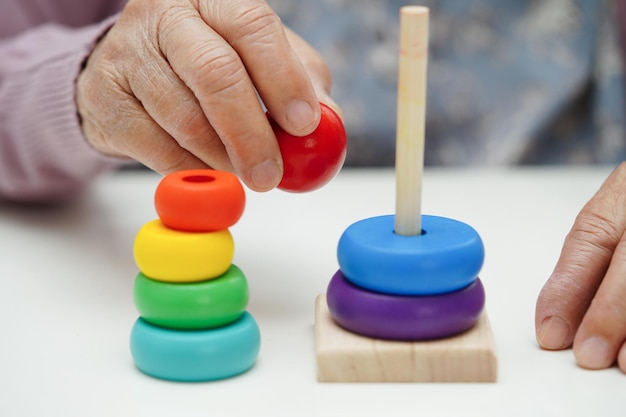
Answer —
199 200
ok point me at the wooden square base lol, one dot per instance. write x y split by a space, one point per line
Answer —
343 356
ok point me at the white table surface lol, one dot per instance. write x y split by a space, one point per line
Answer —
66 276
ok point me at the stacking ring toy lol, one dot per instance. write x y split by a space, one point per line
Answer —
394 317
170 255
195 355
199 200
446 257
196 305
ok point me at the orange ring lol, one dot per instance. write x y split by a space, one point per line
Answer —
199 200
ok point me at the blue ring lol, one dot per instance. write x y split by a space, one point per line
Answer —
195 355
446 257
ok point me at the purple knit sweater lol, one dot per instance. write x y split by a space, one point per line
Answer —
43 154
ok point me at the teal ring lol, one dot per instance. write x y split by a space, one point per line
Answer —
195 355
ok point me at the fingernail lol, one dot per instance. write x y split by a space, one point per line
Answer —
553 333
300 115
593 353
621 358
265 175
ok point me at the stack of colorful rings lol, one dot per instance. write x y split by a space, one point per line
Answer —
407 287
192 300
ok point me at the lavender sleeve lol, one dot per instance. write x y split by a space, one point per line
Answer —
43 154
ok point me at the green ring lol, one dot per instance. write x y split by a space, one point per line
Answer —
195 305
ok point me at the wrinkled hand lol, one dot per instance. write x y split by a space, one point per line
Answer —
584 301
174 85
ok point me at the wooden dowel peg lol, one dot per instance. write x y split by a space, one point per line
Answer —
411 115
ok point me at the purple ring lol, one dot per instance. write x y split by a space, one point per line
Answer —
399 317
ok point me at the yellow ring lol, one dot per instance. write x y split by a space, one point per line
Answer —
170 255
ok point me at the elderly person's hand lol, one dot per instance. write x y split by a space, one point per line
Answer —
584 301
177 84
